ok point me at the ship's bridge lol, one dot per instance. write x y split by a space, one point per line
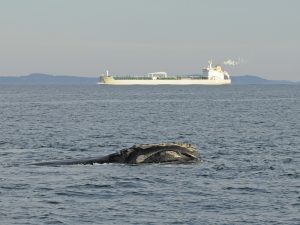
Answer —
215 73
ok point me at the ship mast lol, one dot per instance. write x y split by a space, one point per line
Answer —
210 64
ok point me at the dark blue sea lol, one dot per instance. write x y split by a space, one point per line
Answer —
248 136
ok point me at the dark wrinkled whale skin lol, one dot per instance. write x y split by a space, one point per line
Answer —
139 154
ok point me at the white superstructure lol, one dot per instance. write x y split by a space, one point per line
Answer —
215 73
211 76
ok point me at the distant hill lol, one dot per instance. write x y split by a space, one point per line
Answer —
47 79
251 79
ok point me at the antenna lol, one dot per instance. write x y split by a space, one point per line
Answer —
210 63
106 72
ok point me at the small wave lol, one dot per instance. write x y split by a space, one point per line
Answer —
53 202
16 187
126 184
247 189
4 143
253 99
91 186
291 175
70 193
287 160
220 167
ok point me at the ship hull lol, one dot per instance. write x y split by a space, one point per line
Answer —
111 81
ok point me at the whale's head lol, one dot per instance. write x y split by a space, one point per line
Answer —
159 153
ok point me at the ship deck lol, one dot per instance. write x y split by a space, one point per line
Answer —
161 78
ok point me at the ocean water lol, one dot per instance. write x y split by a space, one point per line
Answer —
248 136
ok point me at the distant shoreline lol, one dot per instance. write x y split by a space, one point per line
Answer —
47 79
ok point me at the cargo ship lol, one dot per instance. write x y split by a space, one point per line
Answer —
210 76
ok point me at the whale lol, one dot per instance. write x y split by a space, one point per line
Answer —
139 154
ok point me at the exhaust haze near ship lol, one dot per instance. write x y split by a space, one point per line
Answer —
231 62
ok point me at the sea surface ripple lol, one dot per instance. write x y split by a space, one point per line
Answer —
247 135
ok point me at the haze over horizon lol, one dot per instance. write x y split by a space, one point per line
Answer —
76 37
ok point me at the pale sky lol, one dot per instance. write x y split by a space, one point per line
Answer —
87 37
